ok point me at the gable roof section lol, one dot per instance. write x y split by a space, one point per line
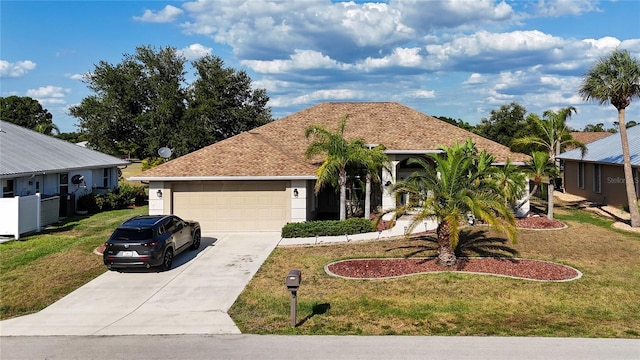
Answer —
608 150
277 148
589 137
24 152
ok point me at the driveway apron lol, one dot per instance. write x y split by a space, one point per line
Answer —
192 298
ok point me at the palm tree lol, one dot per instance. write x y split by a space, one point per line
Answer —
511 180
460 182
374 162
339 153
556 134
616 79
540 166
47 128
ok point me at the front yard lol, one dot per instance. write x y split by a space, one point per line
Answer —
603 303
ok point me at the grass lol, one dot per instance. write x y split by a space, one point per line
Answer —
603 303
39 269
132 169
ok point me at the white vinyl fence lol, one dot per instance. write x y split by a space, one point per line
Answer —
24 214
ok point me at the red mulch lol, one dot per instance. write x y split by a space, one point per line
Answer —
539 222
520 268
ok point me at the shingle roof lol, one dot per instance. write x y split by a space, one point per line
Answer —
589 137
609 149
24 151
277 148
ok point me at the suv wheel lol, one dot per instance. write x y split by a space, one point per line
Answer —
167 259
196 240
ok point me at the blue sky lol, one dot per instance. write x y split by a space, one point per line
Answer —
460 59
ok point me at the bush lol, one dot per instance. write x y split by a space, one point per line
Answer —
149 163
119 198
327 228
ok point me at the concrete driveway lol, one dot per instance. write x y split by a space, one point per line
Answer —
191 298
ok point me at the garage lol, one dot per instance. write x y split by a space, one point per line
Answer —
232 206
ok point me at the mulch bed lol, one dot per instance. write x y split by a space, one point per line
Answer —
395 267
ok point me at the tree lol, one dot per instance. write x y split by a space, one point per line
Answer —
503 124
339 153
539 167
556 135
461 181
27 112
144 103
511 180
615 79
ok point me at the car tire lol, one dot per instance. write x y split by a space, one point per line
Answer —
167 260
196 240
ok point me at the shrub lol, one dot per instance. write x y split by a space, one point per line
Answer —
327 228
149 163
121 197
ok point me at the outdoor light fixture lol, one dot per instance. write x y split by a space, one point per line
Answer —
295 192
387 183
159 193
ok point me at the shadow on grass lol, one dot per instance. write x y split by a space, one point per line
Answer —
317 309
471 242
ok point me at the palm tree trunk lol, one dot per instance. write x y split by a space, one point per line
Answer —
628 173
367 197
343 195
446 255
550 200
535 188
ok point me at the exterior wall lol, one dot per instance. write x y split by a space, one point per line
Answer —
612 183
299 202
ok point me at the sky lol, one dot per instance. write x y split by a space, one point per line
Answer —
454 58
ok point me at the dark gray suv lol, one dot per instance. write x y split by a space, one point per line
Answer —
150 240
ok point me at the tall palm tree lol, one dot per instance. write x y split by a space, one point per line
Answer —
458 183
556 134
540 166
339 153
615 79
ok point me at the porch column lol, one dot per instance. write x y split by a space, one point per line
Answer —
298 196
388 200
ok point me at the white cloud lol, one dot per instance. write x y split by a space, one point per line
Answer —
78 77
557 8
318 95
474 79
16 69
168 14
195 51
49 94
421 94
300 60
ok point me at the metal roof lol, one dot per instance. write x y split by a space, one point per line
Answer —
608 150
24 151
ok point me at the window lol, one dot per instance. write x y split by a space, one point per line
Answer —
105 178
597 171
581 175
63 183
7 188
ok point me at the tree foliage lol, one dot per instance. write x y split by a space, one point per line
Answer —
503 124
145 102
615 79
27 112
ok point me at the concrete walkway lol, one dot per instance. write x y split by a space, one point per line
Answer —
191 298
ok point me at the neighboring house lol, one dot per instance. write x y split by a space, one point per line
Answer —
587 137
37 165
259 180
598 176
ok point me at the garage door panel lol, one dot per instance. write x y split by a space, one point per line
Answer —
233 206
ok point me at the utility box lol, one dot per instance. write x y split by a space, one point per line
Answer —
293 280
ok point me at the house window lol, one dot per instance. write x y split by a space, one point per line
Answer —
597 170
581 175
7 188
63 183
105 178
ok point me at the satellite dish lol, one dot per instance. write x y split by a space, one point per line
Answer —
77 179
165 152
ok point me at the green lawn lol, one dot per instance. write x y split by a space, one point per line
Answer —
603 303
39 269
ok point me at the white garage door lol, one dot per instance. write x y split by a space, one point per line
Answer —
233 205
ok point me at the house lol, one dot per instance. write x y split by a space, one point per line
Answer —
260 179
599 176
56 172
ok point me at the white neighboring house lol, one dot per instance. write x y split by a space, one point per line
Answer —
42 178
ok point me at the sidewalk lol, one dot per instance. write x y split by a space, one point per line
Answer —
611 212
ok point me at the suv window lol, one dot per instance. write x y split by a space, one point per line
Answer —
132 234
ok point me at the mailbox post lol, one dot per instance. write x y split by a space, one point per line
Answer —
292 281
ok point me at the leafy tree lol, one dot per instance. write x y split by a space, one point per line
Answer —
503 123
74 137
144 103
27 112
339 154
457 122
599 127
460 182
615 79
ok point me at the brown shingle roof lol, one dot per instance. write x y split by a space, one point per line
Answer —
277 148
589 137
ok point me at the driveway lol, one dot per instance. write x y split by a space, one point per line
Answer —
191 298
